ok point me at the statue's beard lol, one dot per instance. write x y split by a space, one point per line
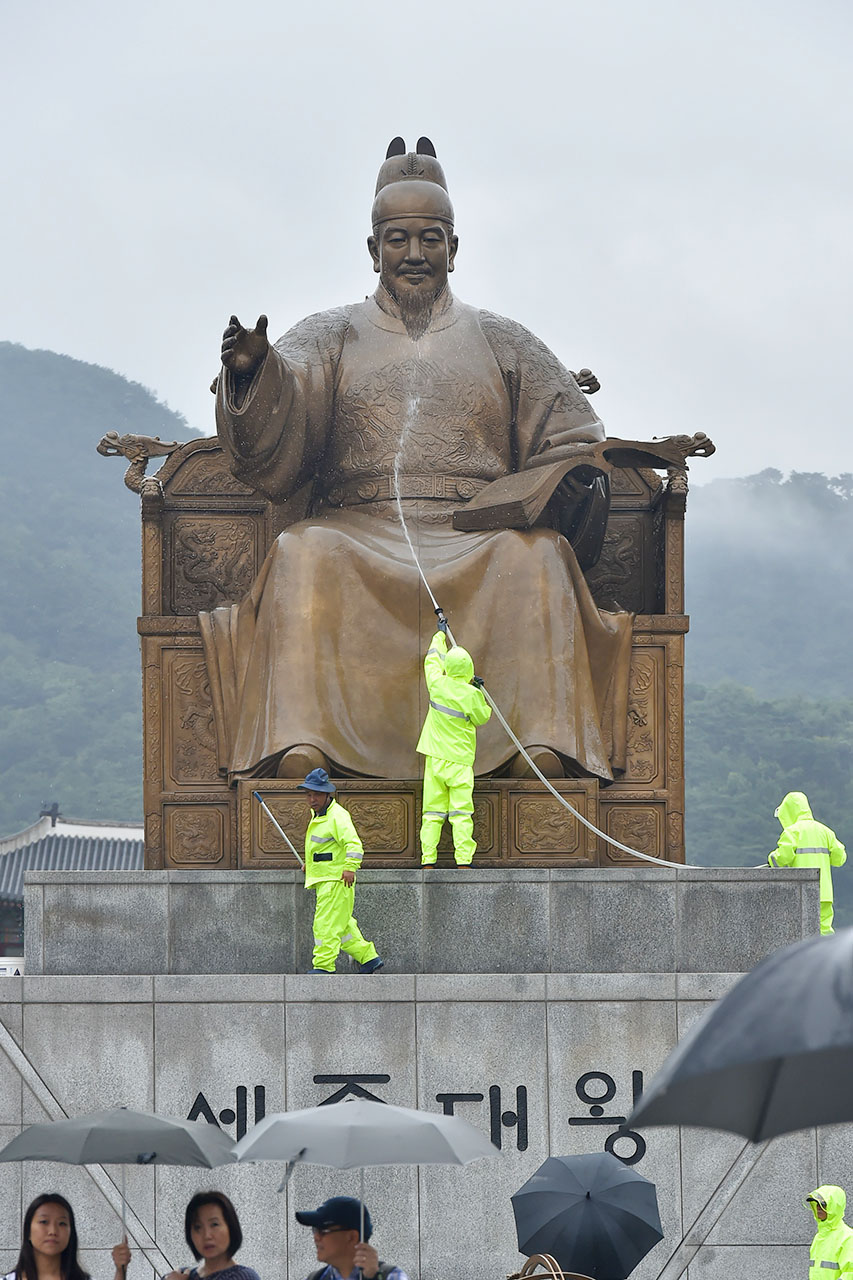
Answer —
416 307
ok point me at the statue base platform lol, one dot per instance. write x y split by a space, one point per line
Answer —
184 990
456 920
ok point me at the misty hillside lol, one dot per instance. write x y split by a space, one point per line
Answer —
70 717
769 572
769 576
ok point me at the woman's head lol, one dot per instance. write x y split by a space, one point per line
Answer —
49 1233
211 1226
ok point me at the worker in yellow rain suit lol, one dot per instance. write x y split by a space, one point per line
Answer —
449 742
807 843
832 1247
333 854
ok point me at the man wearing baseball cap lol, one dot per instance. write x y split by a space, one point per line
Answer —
337 1238
333 854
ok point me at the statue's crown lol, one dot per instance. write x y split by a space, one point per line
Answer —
419 166
401 165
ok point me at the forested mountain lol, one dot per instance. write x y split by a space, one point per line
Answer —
769 576
70 717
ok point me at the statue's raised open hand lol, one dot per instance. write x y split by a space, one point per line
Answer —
244 350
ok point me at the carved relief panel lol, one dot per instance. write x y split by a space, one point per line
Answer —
211 559
539 826
383 822
646 720
196 834
624 578
189 736
639 826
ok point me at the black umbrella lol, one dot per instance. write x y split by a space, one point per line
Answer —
593 1213
774 1055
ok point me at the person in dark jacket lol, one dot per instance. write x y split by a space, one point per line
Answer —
337 1228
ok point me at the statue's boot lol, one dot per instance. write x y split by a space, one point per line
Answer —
299 761
546 760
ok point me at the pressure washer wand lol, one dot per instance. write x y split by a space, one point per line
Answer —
274 820
443 623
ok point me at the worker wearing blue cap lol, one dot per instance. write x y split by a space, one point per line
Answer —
333 854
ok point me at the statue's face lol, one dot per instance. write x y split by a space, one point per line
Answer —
413 255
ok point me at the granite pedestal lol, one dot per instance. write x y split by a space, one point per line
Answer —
610 968
654 920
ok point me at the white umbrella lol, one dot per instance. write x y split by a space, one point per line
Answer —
352 1134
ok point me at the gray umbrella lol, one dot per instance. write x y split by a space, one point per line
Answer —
350 1135
774 1055
121 1136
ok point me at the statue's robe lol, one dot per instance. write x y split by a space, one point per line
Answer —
327 647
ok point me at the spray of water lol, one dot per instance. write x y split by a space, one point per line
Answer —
412 411
409 421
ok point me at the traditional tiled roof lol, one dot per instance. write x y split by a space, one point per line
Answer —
67 846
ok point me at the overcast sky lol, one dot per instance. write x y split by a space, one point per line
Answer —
662 191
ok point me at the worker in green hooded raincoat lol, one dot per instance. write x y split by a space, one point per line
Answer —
832 1247
449 742
807 843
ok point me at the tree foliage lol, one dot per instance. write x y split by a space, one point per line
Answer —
744 752
70 684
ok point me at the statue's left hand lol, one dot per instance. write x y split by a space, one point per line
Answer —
587 381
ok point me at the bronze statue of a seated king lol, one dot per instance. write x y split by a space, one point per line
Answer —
409 403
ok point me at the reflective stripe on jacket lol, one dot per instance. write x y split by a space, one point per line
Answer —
331 845
456 708
807 843
831 1254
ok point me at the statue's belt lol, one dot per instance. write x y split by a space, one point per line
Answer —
383 489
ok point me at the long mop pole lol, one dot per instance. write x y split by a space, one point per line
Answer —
274 820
